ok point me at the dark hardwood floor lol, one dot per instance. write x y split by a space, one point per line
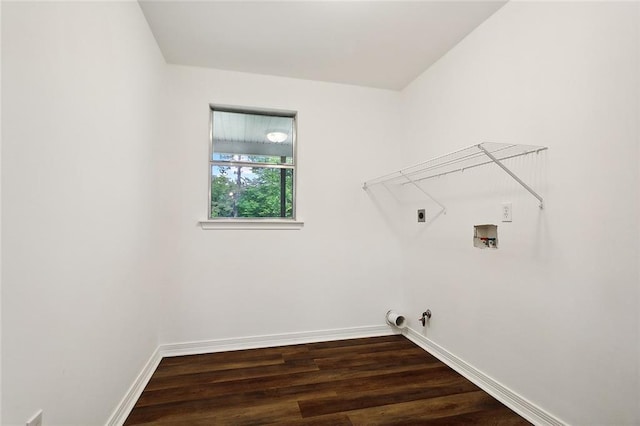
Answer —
373 381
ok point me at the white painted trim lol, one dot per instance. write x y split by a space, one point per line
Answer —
125 406
269 224
266 341
517 403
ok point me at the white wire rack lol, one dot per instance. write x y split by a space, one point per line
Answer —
467 158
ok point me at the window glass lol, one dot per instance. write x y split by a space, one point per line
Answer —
252 165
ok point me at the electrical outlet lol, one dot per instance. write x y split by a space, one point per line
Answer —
422 215
507 212
36 419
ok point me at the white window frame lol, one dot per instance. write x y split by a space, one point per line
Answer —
253 222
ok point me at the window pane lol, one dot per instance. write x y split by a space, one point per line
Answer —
246 192
252 137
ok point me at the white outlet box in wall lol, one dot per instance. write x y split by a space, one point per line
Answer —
36 419
485 236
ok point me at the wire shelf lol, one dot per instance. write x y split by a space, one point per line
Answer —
467 158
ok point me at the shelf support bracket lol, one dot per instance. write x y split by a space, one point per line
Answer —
443 209
513 175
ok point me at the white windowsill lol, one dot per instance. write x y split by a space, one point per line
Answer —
251 224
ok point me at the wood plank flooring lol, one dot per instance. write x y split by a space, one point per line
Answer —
373 381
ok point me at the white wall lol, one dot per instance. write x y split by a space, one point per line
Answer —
93 119
105 178
80 113
553 313
341 270
0 214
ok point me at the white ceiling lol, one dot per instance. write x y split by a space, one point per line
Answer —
384 44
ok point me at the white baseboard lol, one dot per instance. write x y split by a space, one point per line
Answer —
123 409
254 342
517 403
125 406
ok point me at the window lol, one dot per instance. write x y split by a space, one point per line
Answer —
252 164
